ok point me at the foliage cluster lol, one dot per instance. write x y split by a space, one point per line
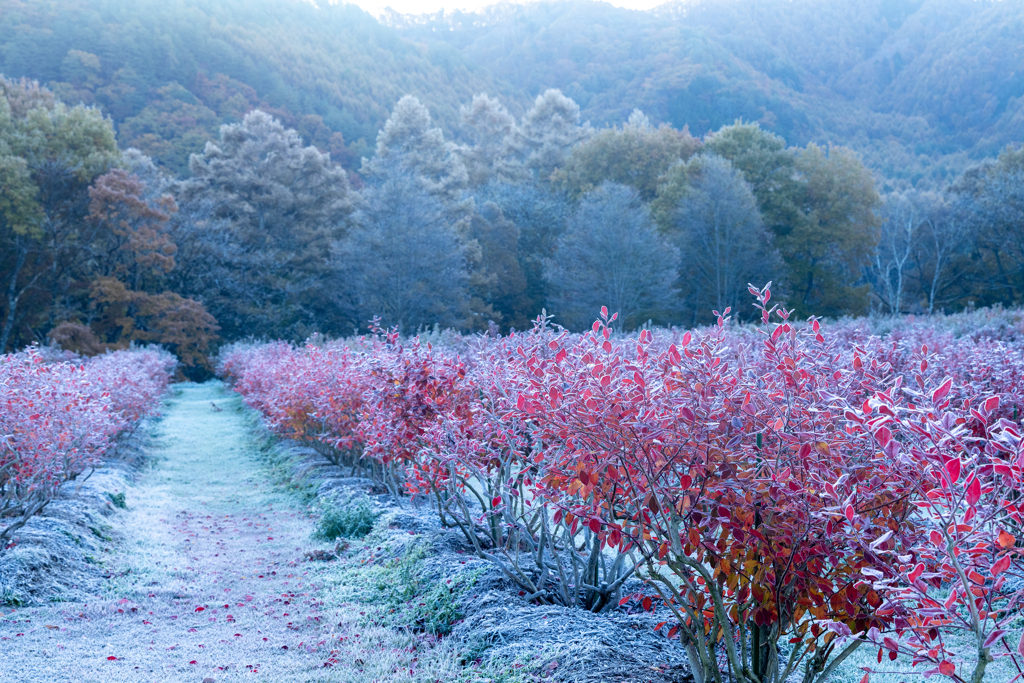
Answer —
85 249
789 493
59 418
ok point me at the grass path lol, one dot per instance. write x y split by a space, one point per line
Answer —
210 580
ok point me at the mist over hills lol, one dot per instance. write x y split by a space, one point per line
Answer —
919 87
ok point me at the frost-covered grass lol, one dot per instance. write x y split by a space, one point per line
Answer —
344 517
900 670
213 571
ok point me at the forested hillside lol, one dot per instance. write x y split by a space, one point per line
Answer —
918 87
170 72
187 172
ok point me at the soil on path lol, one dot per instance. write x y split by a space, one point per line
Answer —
210 580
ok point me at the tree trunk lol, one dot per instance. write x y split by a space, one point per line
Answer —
13 294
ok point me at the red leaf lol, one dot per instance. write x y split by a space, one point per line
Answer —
594 524
991 403
658 627
943 389
496 501
647 603
849 512
953 470
947 668
916 573
111 658
973 492
200 609
1006 540
1001 566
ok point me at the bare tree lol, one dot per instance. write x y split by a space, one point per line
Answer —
943 238
903 217
611 254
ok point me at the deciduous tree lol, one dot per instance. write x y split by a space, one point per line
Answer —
403 260
722 241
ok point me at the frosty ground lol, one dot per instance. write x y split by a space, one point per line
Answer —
211 579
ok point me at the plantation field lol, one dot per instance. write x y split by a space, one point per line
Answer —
794 498
822 501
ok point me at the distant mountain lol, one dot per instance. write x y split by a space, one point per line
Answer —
170 71
919 87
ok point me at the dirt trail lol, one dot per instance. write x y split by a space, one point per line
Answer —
209 580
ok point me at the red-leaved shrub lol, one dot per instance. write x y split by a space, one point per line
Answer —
788 494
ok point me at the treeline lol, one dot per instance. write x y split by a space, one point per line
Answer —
268 237
919 88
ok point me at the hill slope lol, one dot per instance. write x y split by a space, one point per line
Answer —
919 87
170 71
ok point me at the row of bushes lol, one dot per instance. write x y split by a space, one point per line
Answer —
788 494
59 417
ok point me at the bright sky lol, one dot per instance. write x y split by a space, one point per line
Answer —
375 7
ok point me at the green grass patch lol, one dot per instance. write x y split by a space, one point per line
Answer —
349 517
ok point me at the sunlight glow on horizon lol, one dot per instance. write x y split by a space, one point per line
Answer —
377 7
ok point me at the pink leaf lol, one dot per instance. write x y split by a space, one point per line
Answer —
973 491
943 389
953 470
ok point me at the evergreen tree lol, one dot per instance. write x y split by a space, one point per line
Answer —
282 205
612 255
409 141
403 261
547 133
490 128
